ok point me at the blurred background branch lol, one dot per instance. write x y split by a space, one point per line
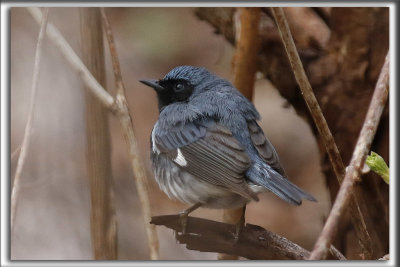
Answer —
127 127
98 155
16 188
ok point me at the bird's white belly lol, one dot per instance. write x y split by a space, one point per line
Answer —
183 186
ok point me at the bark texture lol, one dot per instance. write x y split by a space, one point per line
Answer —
255 242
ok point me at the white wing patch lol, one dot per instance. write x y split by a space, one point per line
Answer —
153 145
180 159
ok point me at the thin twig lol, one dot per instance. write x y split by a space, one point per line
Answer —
385 258
127 126
322 126
335 252
28 128
118 107
15 152
308 95
72 58
353 173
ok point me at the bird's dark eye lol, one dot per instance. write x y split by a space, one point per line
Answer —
179 86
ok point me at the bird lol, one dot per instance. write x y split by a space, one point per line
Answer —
207 148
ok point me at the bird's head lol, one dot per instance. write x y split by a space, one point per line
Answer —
179 84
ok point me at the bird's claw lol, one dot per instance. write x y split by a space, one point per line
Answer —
238 231
185 214
239 226
183 217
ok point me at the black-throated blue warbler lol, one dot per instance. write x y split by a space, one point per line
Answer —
207 148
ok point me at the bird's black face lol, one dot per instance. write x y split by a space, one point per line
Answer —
170 91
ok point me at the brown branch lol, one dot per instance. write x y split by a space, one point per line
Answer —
245 58
98 154
244 70
322 126
323 13
28 127
337 253
127 126
230 216
353 173
255 242
118 107
308 30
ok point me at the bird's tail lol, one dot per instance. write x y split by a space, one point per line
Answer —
266 176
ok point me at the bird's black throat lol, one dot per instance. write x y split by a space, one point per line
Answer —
174 91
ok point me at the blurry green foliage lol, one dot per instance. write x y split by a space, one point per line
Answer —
378 165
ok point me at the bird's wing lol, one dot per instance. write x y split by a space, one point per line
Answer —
208 151
264 147
275 180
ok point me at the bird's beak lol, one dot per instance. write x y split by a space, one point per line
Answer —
154 84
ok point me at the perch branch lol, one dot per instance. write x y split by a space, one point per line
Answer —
255 242
360 153
322 126
118 107
127 126
28 128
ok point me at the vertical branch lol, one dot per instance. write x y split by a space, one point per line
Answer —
320 122
127 127
244 69
353 173
102 219
248 44
28 128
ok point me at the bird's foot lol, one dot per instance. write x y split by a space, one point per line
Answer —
239 226
238 230
183 216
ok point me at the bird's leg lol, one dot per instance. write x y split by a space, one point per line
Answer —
184 215
239 225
